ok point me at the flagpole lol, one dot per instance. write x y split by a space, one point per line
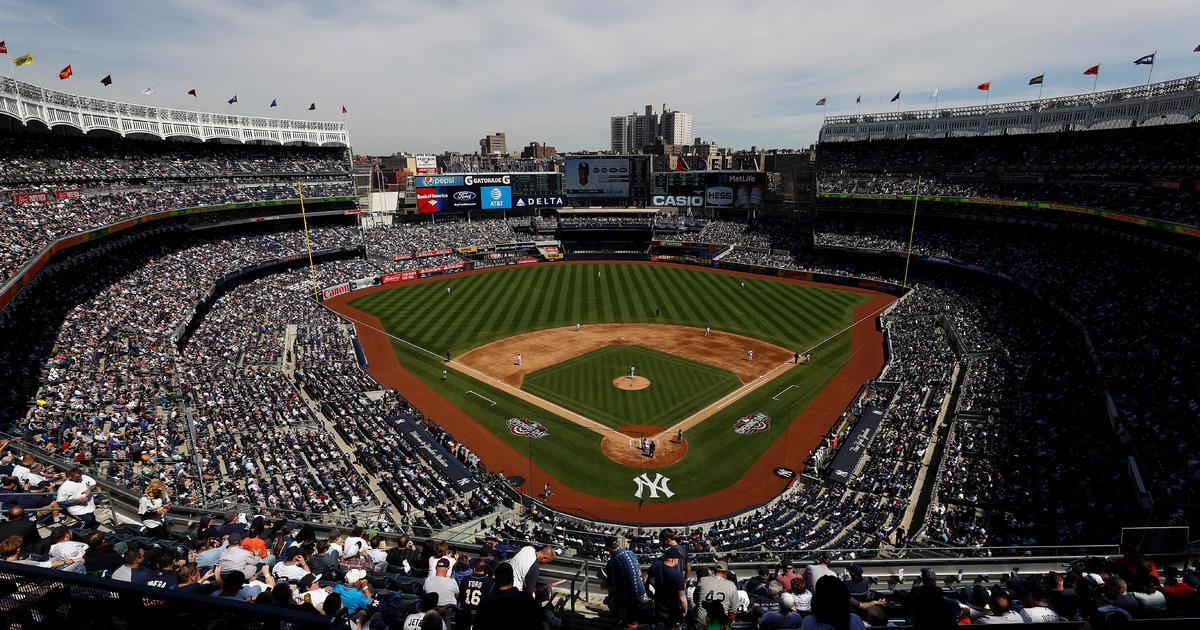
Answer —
1153 58
1096 80
1041 84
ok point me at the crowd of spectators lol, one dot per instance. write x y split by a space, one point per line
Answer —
1148 172
401 240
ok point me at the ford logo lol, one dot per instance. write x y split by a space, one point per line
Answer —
464 195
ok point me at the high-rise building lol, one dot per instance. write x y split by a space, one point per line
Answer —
635 132
493 144
676 127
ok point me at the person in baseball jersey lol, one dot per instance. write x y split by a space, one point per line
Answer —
632 369
518 358
707 331
750 355
576 326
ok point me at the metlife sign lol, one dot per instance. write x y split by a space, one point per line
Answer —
495 197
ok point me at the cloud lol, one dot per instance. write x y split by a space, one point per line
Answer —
438 76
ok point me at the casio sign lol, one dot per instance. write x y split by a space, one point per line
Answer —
677 201
720 196
464 195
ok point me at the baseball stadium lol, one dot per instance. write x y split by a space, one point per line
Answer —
943 363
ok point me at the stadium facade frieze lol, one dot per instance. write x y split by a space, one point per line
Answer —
28 102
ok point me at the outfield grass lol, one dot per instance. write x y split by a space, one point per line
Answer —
678 388
482 308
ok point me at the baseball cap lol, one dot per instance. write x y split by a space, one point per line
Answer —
121 547
786 601
306 582
610 542
443 562
720 565
674 552
354 575
235 538
855 568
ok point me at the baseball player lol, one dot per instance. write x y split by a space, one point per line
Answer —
631 371
743 285
707 331
645 445
447 290
750 355
518 358
443 375
796 358
576 326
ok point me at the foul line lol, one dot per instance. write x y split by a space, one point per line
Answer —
384 332
566 414
469 391
851 326
776 396
729 398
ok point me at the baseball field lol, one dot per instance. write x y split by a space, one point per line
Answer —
552 347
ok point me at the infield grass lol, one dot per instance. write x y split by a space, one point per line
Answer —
482 308
678 387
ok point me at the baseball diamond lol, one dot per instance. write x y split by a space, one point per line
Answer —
774 317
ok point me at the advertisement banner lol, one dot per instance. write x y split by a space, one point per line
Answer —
855 445
553 201
747 189
601 177
426 164
335 290
68 194
495 197
434 181
30 198
400 276
431 199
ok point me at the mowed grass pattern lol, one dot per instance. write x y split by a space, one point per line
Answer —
482 308
678 387
485 307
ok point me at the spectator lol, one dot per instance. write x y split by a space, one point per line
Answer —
829 610
10 550
152 506
507 607
76 495
442 584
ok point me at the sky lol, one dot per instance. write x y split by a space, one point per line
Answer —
437 76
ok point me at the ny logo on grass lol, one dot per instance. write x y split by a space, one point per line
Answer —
659 483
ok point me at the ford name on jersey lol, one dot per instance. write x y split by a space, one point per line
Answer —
677 201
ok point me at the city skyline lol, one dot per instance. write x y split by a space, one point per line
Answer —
421 78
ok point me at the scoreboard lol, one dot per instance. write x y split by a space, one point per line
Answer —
488 191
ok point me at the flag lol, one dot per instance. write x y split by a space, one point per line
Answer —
935 92
895 98
1093 70
192 92
859 99
232 100
344 110
107 80
1037 80
273 104
24 60
4 49
984 86
820 102
312 107
1144 61
65 73
1197 49
148 91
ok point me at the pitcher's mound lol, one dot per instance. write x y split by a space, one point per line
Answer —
635 383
